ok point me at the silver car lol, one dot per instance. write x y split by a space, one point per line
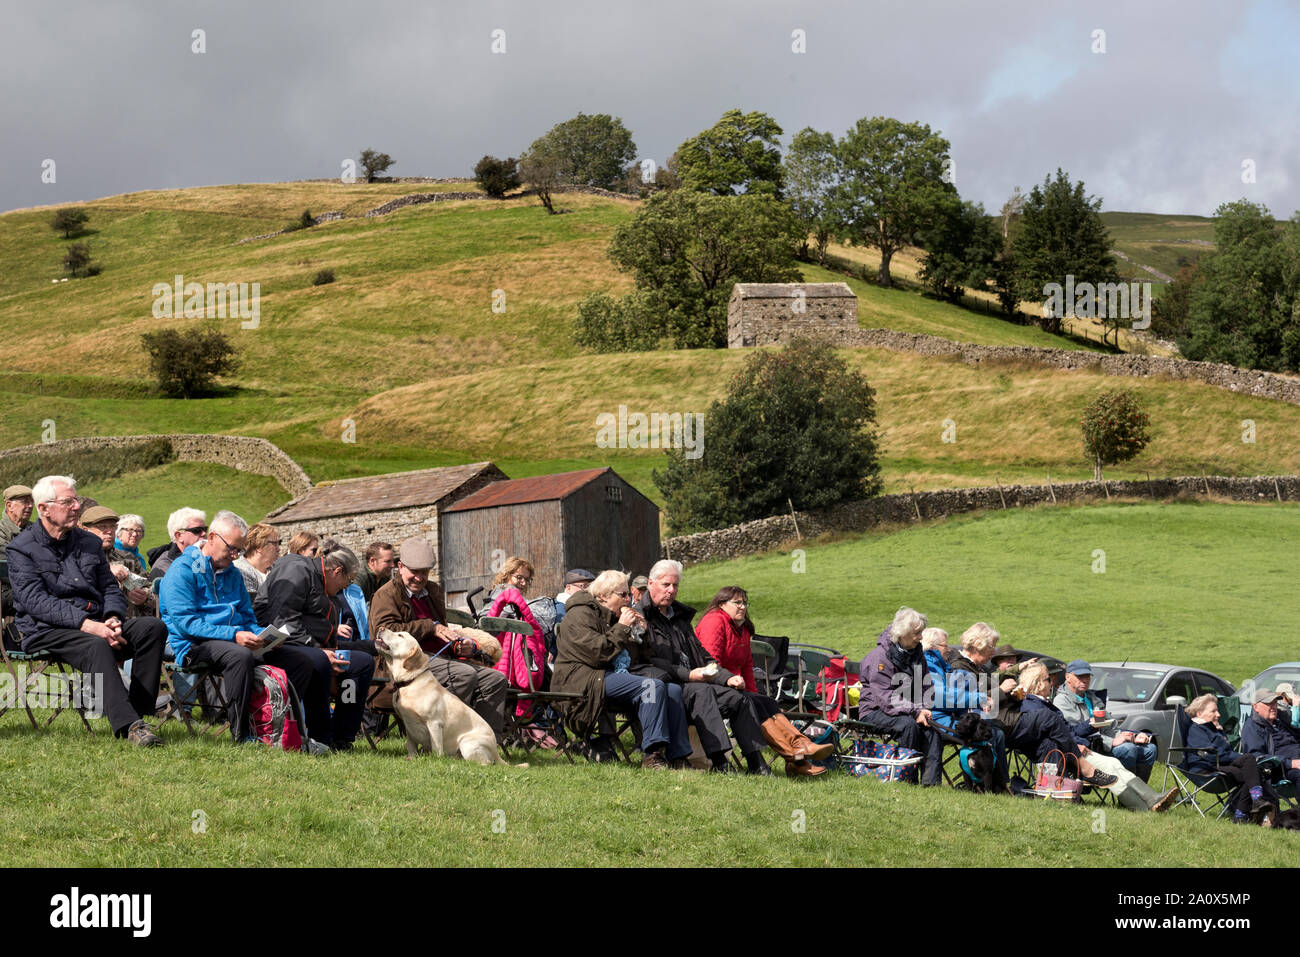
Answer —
1143 696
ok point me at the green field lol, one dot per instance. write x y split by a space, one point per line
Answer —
1197 584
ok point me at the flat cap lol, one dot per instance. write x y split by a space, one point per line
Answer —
99 513
417 553
17 491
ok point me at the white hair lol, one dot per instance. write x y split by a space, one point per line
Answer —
130 521
228 519
184 518
663 567
607 582
980 637
907 621
932 638
43 491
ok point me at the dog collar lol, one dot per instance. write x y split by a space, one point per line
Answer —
402 684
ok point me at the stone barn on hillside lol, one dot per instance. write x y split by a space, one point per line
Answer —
761 313
590 519
389 508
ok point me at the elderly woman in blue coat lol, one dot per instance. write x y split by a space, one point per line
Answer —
956 692
1213 755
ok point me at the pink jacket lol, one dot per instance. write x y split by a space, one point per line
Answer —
728 645
513 664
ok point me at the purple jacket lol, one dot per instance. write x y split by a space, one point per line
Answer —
904 695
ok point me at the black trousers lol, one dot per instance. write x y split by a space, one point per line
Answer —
1245 771
235 664
909 734
707 704
312 677
98 660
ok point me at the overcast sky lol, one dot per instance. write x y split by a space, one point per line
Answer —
1162 121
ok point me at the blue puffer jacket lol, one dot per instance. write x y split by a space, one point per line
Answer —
1207 736
955 692
199 603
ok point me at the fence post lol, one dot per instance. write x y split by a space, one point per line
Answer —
1050 489
1000 495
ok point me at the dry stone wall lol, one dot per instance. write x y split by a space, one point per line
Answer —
239 452
1266 385
357 531
778 531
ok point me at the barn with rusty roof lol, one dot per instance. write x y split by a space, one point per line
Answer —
591 519
389 508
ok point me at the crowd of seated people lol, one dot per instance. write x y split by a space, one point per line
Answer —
78 587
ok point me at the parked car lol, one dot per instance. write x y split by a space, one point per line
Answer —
1143 696
1270 678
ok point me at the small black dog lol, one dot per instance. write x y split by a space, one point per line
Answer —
974 731
1287 819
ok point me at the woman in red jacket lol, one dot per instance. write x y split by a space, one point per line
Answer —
724 631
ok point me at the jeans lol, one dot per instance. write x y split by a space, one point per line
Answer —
659 708
1137 758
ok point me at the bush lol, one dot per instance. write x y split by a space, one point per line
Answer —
1114 429
606 324
497 176
797 426
187 363
88 466
323 277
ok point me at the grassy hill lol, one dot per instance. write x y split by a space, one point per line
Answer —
405 343
1180 582
1165 243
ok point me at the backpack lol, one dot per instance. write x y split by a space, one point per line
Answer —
272 710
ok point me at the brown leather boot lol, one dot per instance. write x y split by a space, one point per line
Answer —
795 769
786 741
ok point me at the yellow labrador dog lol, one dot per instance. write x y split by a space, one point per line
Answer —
435 719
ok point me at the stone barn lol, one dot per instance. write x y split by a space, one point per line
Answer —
762 313
590 519
389 508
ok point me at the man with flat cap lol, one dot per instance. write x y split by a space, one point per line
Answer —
575 579
410 602
17 512
1264 736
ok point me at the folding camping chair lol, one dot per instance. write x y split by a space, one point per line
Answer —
41 677
188 688
1194 785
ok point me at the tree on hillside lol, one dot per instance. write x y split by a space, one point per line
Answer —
1171 312
961 250
810 174
890 185
497 176
738 154
77 260
1245 307
69 220
796 426
590 150
1114 429
374 163
1061 234
543 172
687 249
187 363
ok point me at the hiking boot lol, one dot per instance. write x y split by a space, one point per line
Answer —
656 761
1099 779
760 770
1166 802
141 735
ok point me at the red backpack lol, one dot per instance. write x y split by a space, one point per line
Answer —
271 711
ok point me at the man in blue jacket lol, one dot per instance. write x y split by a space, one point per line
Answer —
1264 736
209 615
68 603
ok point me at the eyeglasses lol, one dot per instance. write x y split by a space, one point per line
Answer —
63 502
230 548
197 530
623 594
521 579
738 602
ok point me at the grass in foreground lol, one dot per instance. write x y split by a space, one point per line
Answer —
1180 582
